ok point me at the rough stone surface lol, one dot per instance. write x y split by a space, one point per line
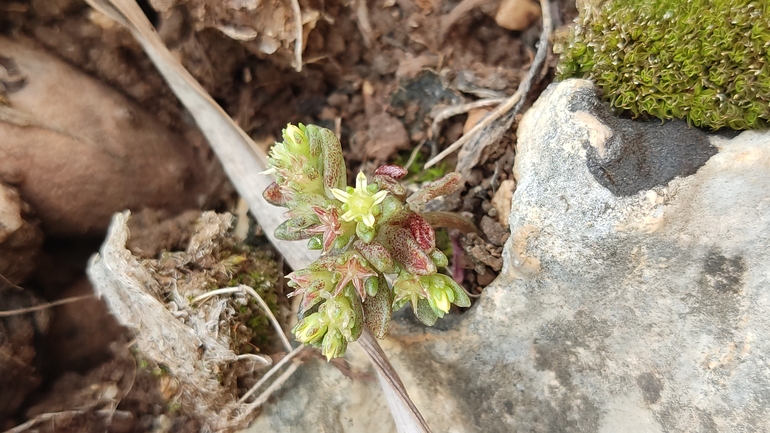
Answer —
614 313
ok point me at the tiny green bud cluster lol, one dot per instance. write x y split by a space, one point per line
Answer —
363 233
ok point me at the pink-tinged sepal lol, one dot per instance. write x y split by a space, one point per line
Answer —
329 227
352 268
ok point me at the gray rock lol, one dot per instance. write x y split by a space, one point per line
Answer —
614 312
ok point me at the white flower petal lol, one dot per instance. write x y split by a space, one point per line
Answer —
270 170
380 196
348 216
340 195
369 220
361 181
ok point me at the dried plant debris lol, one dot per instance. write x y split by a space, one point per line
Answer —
19 375
202 344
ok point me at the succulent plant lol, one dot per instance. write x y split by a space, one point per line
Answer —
706 61
363 232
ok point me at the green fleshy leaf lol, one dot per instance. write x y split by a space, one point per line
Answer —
461 298
439 259
371 285
365 233
315 243
377 309
425 313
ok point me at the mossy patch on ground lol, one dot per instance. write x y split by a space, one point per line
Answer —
706 61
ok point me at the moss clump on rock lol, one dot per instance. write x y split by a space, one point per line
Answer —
706 61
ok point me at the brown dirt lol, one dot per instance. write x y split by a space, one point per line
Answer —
374 71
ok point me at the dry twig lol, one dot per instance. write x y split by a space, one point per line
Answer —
364 25
9 283
456 110
409 419
297 34
271 372
9 313
43 418
465 6
516 101
250 291
270 390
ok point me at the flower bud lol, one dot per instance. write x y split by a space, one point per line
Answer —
310 330
334 344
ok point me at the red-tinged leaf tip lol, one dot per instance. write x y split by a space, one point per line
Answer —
394 171
407 251
444 186
275 195
422 231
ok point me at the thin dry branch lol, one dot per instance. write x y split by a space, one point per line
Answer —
516 101
465 6
408 419
250 291
364 25
271 372
9 283
262 398
43 417
297 34
9 313
456 110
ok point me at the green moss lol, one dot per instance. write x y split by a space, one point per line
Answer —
417 172
706 61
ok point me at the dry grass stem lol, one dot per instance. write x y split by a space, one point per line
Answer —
9 313
271 372
262 359
456 110
298 43
262 398
250 291
43 417
515 101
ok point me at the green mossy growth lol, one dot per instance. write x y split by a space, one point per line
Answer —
706 61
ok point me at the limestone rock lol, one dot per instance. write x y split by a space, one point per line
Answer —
617 310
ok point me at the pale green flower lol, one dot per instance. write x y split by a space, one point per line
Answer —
440 299
362 202
334 344
310 330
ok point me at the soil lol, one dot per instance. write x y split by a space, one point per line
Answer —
375 72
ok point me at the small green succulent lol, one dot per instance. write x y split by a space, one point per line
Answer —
706 61
364 232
